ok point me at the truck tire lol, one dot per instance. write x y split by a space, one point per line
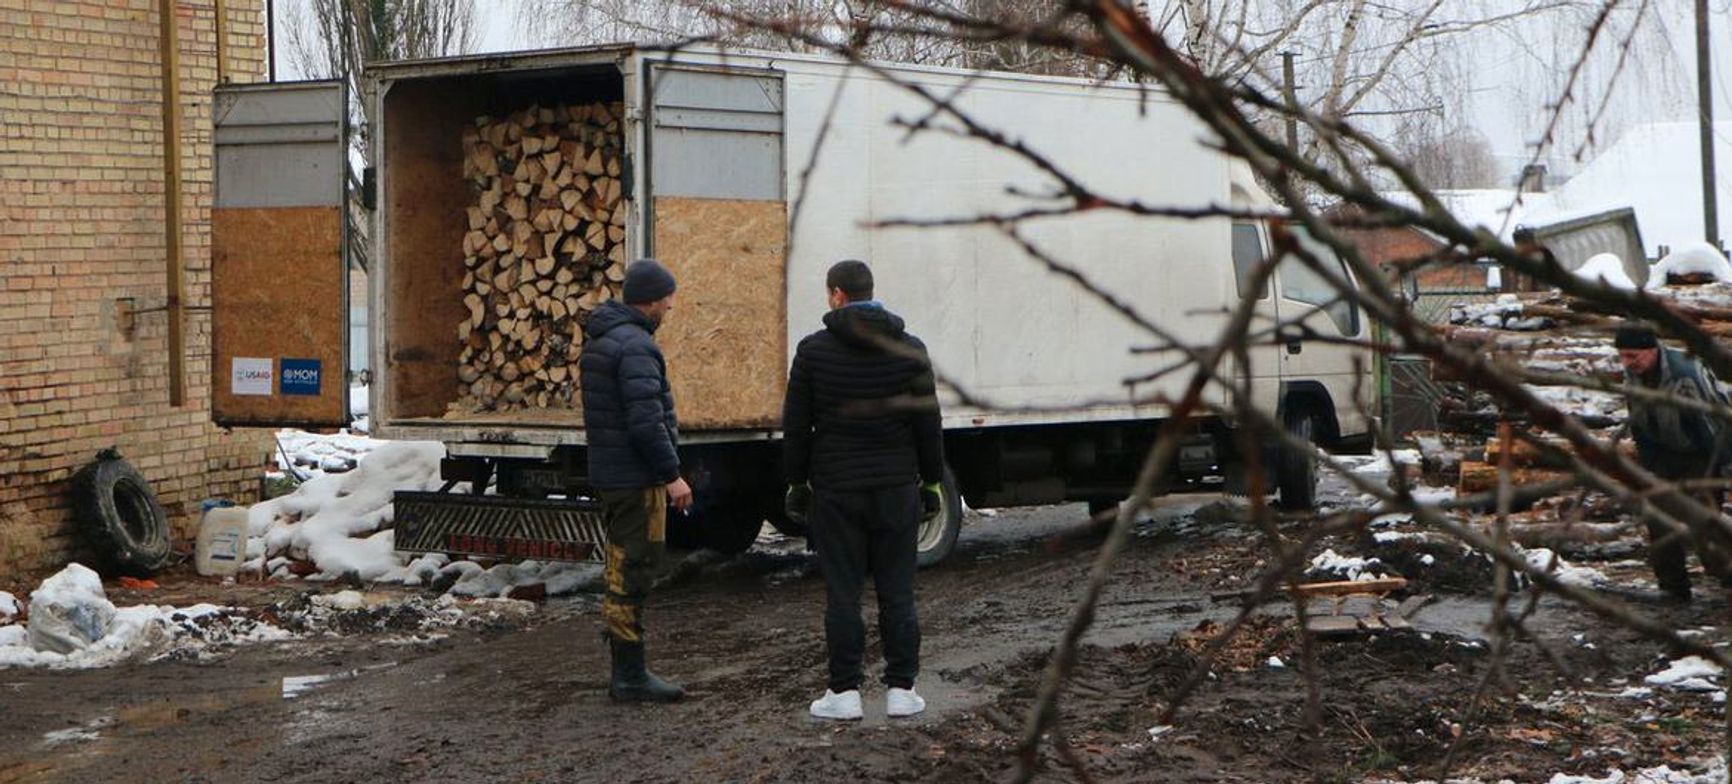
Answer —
937 537
727 526
120 516
1296 469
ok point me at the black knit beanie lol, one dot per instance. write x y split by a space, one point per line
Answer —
646 280
1635 336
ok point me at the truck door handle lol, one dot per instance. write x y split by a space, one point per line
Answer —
1295 346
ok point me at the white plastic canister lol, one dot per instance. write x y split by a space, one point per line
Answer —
222 541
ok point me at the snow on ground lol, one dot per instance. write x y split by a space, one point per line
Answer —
341 523
108 635
1543 559
8 607
1606 269
1331 563
358 408
306 455
1691 673
1580 402
1696 258
1505 313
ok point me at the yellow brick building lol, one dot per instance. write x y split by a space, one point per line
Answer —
84 348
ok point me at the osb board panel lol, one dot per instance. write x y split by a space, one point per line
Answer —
425 199
529 417
726 340
277 293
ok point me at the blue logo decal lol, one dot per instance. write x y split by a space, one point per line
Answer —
300 377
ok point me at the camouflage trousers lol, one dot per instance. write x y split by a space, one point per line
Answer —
637 524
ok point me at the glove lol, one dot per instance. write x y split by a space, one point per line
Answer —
798 503
931 501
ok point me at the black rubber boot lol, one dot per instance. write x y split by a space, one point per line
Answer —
633 682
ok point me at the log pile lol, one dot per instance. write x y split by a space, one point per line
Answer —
543 248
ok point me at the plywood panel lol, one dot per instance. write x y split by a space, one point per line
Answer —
277 278
726 340
424 202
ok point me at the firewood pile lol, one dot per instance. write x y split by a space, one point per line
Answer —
544 247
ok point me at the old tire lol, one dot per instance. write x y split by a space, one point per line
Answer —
121 518
937 537
1296 469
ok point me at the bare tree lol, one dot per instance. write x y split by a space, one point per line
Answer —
339 39
1449 158
882 29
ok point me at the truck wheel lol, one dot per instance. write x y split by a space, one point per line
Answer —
125 524
937 536
1296 469
727 526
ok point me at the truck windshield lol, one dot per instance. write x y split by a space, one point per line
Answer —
1301 283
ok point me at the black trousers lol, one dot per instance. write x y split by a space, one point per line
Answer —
859 533
1668 548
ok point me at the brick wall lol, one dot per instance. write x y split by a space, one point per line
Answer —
81 226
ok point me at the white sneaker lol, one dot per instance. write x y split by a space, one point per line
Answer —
903 702
843 707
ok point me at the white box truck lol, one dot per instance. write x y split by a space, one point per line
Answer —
750 173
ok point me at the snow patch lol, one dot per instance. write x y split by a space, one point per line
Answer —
8 607
1331 562
1543 559
1691 673
1607 270
1697 258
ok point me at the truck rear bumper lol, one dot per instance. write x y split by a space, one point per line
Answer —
539 529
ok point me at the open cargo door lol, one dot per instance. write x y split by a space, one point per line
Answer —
279 301
718 219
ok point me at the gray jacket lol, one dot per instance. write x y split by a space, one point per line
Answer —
1672 441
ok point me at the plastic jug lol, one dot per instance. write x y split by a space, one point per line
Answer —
222 541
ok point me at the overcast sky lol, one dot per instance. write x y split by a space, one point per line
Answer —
1507 103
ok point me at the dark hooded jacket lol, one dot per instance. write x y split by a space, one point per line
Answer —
862 406
628 407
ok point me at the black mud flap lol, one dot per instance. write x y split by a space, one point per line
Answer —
530 529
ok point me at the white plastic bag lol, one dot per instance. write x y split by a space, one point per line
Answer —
69 611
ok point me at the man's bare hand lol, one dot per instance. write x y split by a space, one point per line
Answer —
680 494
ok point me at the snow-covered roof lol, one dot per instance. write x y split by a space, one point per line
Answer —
1654 169
1657 169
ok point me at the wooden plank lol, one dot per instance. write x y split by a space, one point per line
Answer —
277 281
726 340
1413 604
1332 624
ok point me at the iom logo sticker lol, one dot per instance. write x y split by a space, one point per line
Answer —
300 377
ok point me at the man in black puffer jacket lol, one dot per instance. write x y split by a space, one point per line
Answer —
628 419
864 455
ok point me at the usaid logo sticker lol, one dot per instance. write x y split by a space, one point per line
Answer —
250 376
300 376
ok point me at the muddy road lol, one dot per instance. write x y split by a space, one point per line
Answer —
526 701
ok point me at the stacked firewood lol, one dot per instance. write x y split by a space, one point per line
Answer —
545 246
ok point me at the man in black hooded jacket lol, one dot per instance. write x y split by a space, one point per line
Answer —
864 459
628 419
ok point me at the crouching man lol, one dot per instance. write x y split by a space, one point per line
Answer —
1677 443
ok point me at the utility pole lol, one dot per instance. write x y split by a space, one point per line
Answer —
1290 92
1705 102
